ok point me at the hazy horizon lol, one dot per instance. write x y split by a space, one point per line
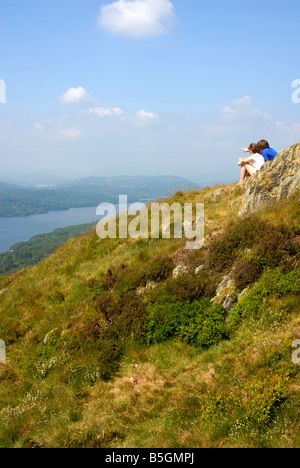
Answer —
33 179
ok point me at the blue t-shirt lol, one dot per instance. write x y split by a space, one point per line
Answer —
269 154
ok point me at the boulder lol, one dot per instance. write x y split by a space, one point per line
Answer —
226 294
216 195
149 287
275 181
199 269
179 271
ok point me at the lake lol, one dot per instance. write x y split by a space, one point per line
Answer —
17 229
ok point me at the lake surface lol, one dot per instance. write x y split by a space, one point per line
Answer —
17 229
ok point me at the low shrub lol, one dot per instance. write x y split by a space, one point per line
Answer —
265 240
247 270
252 403
187 287
198 322
273 283
107 306
157 269
127 326
112 276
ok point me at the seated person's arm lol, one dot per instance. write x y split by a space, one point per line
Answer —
248 160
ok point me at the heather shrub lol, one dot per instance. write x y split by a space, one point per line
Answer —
110 353
106 306
270 243
187 287
112 276
247 270
127 326
157 269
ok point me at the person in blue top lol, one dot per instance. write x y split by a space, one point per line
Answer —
268 153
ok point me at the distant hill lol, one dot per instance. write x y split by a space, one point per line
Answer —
19 201
140 187
9 186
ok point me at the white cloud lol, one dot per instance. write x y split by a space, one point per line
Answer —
75 95
105 111
244 108
205 146
142 114
137 17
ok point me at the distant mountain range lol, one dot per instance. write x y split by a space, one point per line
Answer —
17 200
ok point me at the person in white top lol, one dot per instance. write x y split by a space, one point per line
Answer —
252 164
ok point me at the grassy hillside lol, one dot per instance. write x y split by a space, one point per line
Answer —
105 348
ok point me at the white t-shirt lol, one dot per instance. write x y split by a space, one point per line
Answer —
257 161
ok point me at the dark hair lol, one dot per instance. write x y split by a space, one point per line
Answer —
255 148
264 144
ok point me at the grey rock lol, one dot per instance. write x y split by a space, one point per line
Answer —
48 336
179 271
276 180
217 194
226 293
199 269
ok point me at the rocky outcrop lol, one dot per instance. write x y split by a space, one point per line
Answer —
277 180
179 271
149 287
227 294
217 194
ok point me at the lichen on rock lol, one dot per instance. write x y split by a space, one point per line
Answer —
276 180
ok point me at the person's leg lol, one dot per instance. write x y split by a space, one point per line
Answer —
250 169
243 175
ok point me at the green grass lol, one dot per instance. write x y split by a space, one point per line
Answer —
163 367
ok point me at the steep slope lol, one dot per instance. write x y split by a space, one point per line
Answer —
122 343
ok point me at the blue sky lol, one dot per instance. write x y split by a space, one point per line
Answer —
145 86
